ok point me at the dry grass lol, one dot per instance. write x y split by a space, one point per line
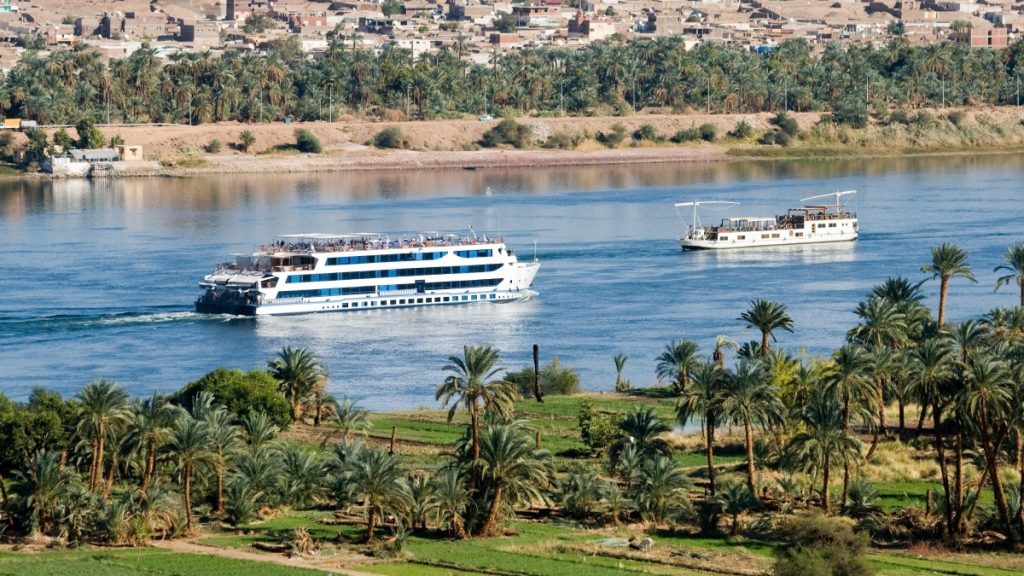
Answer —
898 462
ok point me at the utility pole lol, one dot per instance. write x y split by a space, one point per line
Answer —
1018 91
330 104
709 95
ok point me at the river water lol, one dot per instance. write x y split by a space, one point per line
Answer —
98 277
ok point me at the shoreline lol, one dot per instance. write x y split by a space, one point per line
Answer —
181 150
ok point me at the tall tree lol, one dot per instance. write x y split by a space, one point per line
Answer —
676 362
767 316
298 372
750 399
822 442
474 383
948 261
704 399
149 429
1014 258
851 384
512 472
378 478
104 405
190 448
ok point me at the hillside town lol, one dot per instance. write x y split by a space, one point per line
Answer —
477 29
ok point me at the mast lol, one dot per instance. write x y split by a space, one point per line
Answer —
837 194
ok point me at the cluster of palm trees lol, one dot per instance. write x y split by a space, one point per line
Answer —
64 86
968 376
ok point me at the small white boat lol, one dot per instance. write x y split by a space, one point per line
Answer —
303 273
809 224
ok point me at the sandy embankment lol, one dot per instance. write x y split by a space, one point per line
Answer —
430 144
438 144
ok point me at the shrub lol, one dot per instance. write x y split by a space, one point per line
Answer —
117 140
213 147
957 118
554 379
786 124
742 130
614 138
307 142
923 120
508 131
647 132
390 137
242 393
850 111
708 132
597 430
686 135
815 544
898 117
768 138
245 140
89 136
60 138
561 140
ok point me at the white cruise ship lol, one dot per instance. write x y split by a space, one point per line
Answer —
332 273
809 224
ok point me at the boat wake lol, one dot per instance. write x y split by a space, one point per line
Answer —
62 323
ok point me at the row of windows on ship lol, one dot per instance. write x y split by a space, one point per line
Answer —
394 273
358 290
408 301
407 257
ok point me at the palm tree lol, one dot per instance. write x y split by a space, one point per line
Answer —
225 439
675 363
190 447
451 496
883 327
661 483
298 373
103 405
511 470
641 429
377 477
422 502
149 428
723 343
302 472
1014 258
822 441
351 419
852 386
621 384
750 399
704 399
767 316
735 499
948 262
931 367
986 399
473 382
258 430
42 485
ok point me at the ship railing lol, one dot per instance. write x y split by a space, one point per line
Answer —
385 244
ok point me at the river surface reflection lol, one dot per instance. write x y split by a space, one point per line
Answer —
99 276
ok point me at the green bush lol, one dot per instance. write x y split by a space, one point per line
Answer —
898 117
647 132
742 130
89 136
614 138
246 139
242 393
214 146
815 544
390 137
561 140
508 131
768 138
708 132
786 124
957 118
554 379
850 111
307 142
686 135
598 430
923 120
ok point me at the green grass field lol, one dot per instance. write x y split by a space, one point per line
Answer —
134 561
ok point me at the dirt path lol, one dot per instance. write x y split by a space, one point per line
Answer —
330 564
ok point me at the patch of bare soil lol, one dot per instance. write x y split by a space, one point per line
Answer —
335 564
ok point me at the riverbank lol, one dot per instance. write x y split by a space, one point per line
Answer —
454 144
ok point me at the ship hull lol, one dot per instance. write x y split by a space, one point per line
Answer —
688 244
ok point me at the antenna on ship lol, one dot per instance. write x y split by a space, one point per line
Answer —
471 231
838 195
695 204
